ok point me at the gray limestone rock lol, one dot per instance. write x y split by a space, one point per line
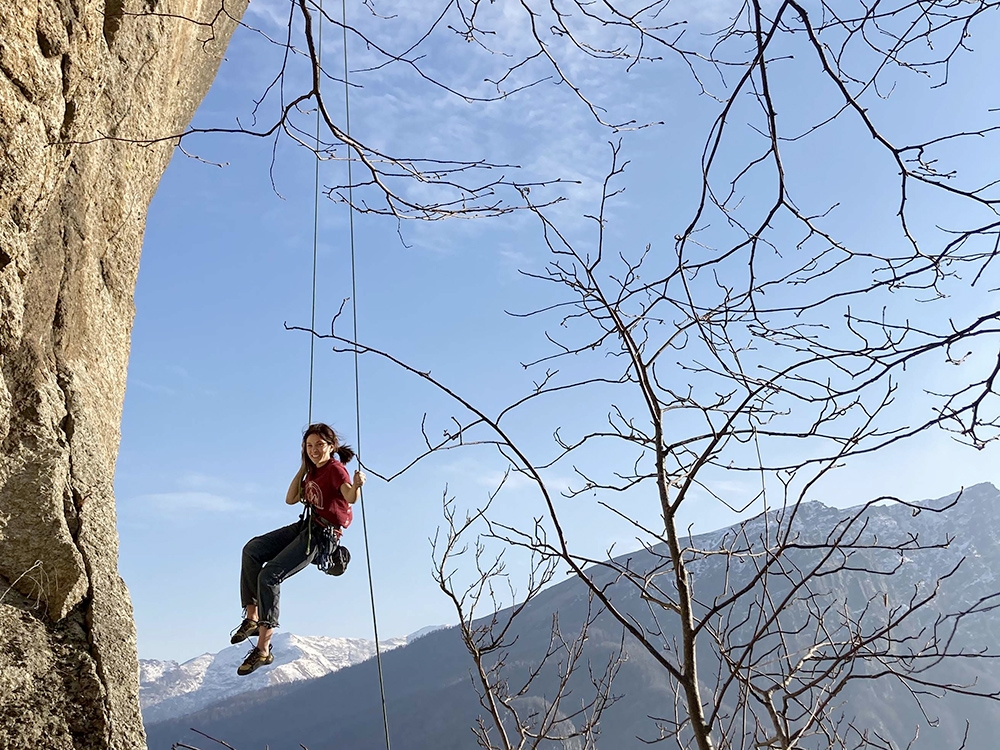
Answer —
82 83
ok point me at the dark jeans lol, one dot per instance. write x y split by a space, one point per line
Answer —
267 561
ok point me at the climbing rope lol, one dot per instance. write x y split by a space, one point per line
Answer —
312 318
357 381
354 316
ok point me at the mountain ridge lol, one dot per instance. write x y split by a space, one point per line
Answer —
168 689
429 688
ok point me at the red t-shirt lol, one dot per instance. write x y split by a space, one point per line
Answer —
322 490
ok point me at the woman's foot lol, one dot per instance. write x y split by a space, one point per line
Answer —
246 629
256 658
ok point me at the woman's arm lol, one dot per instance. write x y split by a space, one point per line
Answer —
350 492
292 496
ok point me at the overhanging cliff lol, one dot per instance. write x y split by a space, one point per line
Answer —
84 86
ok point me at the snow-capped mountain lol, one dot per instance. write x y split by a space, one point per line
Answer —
895 554
168 690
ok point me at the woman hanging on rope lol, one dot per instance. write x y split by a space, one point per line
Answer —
325 486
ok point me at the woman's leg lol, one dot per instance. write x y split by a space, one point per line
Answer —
264 639
299 552
296 555
256 553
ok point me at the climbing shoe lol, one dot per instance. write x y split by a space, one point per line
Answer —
246 629
256 658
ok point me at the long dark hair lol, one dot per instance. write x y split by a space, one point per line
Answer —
325 431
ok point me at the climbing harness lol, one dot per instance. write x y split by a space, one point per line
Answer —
331 556
338 556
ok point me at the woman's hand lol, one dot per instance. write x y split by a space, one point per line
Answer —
294 494
350 491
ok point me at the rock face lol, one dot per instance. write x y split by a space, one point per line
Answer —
81 81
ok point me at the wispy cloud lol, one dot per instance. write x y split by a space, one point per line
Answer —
198 482
545 131
272 14
177 379
159 388
487 475
179 504
419 105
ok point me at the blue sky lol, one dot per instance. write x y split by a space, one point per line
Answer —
218 389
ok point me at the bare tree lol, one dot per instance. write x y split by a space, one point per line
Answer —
517 716
765 653
765 345
770 342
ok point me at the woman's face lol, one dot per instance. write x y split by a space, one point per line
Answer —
318 450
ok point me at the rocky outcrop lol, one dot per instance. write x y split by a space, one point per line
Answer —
84 86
